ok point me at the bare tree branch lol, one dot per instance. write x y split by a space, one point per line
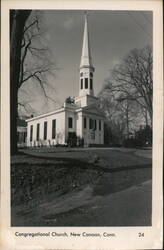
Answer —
133 77
35 60
30 25
127 94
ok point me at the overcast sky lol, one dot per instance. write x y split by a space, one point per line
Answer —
112 35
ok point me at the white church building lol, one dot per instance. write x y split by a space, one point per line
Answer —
81 117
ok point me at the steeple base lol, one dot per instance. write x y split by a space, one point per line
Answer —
86 100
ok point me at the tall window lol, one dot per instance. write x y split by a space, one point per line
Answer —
99 125
24 136
91 83
86 83
53 128
81 83
31 132
45 131
70 122
37 131
85 122
18 136
95 125
90 124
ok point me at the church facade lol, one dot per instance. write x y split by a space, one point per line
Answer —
80 117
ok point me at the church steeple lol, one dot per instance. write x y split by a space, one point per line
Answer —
86 66
86 59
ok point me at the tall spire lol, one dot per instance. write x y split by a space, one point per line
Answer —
86 67
86 59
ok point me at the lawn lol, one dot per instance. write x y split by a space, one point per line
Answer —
62 179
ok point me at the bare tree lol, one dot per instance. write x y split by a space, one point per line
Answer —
18 19
29 62
36 65
122 114
132 79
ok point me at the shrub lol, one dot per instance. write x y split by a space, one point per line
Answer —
132 143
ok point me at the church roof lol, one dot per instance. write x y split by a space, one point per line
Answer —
59 110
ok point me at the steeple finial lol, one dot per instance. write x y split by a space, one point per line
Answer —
86 59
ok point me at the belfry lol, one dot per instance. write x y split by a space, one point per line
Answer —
86 72
80 119
86 67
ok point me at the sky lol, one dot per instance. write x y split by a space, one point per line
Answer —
112 35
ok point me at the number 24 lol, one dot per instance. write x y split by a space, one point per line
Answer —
140 234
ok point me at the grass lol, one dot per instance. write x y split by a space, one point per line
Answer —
44 176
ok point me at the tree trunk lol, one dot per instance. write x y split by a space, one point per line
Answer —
17 23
